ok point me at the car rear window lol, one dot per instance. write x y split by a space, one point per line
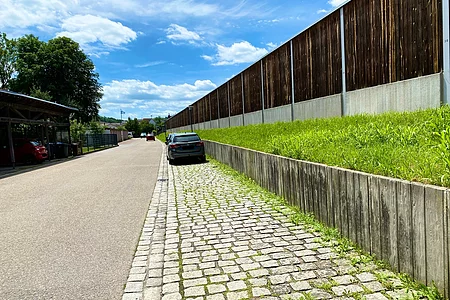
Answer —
186 138
35 143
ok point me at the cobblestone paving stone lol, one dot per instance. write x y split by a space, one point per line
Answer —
208 237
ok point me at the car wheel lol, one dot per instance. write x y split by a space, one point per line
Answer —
203 158
171 161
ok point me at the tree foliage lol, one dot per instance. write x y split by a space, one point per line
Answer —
109 119
60 69
77 130
8 58
133 126
146 127
96 128
37 93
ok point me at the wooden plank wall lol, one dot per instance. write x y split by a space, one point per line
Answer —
403 223
252 88
385 41
195 113
236 95
223 101
214 105
207 108
277 77
317 60
391 40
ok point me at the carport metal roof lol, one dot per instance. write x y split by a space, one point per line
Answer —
22 109
19 108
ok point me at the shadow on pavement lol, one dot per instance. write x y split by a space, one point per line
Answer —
7 171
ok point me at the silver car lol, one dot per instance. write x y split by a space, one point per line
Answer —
185 145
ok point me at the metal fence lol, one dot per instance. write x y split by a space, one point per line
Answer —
92 142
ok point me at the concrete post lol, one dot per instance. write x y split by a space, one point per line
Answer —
446 52
262 91
218 108
243 100
292 82
229 105
344 81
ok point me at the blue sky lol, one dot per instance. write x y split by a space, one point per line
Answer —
156 57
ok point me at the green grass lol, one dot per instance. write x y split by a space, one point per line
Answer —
411 146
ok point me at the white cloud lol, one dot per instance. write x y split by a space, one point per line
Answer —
238 53
152 98
176 9
207 57
23 14
322 11
88 29
179 33
336 3
271 45
150 64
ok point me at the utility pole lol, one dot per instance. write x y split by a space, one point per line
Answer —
121 113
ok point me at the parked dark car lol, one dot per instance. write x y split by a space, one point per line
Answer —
185 145
25 151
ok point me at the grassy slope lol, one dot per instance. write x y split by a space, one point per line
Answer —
413 146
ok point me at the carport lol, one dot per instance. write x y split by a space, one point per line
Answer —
29 114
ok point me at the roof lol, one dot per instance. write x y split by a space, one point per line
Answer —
35 104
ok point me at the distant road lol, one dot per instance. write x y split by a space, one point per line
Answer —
69 231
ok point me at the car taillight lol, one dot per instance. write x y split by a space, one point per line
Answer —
172 146
199 144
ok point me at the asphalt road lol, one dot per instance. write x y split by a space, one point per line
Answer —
70 230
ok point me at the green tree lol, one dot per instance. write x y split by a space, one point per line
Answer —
37 93
77 130
29 64
109 119
8 58
159 122
96 128
146 127
60 68
133 126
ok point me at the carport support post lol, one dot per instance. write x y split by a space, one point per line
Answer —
49 150
11 146
68 132
70 138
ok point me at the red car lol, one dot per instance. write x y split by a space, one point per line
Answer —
25 151
150 137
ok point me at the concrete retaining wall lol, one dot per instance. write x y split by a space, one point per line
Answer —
236 121
214 124
408 95
278 114
403 223
224 123
253 118
325 107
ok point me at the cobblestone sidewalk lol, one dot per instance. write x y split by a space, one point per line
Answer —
208 237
